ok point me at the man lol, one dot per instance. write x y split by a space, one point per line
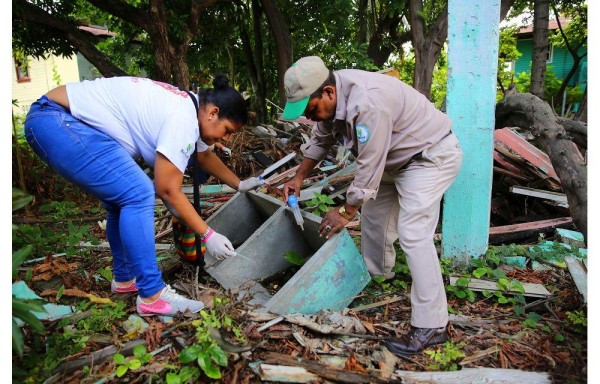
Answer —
406 156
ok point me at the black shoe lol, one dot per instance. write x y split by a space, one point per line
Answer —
417 340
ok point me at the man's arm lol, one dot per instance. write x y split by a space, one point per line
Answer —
295 184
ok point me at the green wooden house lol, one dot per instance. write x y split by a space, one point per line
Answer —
560 60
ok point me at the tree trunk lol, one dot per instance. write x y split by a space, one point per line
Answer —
283 43
581 114
529 112
541 14
259 51
427 46
576 60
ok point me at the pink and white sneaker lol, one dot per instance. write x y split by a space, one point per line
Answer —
169 303
131 288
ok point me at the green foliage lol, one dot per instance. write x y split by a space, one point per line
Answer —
578 320
461 289
106 273
294 258
206 352
46 239
183 375
22 309
556 252
140 357
20 199
532 320
446 357
103 317
552 86
321 204
60 210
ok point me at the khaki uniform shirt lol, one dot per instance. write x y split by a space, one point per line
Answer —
383 121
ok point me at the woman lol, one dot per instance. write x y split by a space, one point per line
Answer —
91 133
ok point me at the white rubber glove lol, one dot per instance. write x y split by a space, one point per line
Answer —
251 183
219 246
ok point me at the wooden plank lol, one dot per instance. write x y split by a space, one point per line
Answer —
559 198
285 374
508 165
529 152
511 174
328 372
377 304
475 375
579 274
531 289
507 233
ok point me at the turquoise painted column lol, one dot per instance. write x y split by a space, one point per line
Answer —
473 30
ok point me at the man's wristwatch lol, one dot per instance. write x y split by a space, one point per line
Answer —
344 214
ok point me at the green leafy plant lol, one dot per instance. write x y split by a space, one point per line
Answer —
105 273
294 258
506 294
447 357
461 289
321 204
23 309
141 357
184 375
102 318
532 320
206 352
60 210
577 319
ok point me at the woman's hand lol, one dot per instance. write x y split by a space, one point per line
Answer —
219 246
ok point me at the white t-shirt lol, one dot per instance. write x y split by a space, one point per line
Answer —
143 115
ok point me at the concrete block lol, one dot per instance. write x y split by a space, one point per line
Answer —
263 230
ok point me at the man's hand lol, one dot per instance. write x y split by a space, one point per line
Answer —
251 183
219 246
292 187
331 223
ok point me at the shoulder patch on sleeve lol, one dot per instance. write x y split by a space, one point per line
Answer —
362 133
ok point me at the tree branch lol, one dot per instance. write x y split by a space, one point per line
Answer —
131 14
30 13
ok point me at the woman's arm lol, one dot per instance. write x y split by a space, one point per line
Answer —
167 182
214 166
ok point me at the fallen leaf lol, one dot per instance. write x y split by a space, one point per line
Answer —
369 326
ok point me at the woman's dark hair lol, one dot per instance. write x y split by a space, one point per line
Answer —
329 81
230 102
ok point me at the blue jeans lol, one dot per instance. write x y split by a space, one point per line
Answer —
100 166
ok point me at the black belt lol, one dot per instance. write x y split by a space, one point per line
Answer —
419 155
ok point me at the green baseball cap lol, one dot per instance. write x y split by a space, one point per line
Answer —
301 80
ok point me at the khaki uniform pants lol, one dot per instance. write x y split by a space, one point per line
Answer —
407 208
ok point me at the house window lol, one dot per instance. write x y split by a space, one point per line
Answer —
22 72
550 53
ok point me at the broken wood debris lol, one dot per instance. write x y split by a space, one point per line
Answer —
531 290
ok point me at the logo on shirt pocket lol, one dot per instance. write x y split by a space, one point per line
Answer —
362 133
